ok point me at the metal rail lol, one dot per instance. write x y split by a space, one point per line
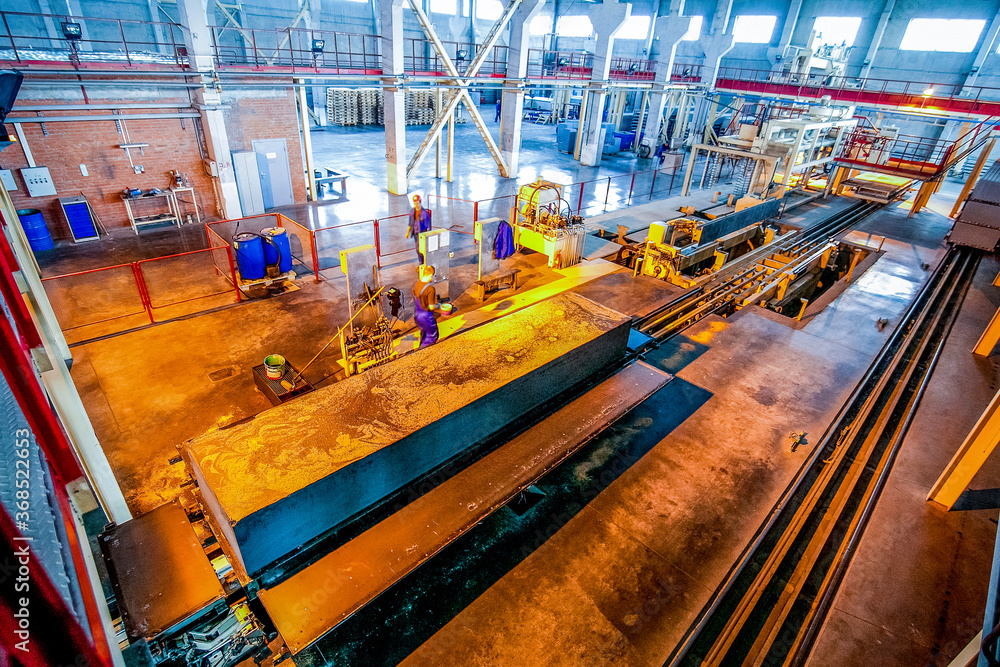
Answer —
747 273
771 607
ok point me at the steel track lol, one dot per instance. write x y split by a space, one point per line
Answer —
718 290
771 607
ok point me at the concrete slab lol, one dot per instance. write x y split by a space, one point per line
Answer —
915 591
291 473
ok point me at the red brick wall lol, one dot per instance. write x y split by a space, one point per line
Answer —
95 144
171 146
267 116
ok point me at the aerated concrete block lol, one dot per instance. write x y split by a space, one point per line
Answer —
294 472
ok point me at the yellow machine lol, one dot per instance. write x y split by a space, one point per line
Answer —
679 250
540 225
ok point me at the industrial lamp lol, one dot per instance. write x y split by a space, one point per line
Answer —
318 45
633 68
72 31
928 91
461 54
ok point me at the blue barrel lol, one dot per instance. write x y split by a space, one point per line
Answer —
281 252
35 229
249 256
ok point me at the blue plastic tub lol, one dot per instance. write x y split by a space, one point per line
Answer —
250 256
35 229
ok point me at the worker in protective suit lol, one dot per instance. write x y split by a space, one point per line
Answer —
425 304
420 221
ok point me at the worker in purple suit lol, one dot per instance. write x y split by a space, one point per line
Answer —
420 221
425 303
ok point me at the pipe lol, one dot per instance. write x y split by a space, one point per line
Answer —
77 119
84 107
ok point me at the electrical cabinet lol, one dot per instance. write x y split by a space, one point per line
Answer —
39 181
7 178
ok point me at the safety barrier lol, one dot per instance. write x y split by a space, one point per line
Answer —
916 95
301 240
25 41
125 296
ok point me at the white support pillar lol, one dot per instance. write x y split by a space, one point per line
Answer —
988 46
394 104
787 31
608 19
513 90
667 34
198 39
866 67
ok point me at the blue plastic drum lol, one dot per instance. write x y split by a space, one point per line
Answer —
35 229
281 252
250 256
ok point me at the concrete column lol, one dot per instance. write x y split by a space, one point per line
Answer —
988 46
667 34
198 40
608 19
791 20
394 105
718 45
513 92
877 37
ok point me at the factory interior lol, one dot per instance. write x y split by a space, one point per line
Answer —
500 333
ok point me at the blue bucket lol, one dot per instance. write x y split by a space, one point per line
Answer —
35 229
281 252
250 256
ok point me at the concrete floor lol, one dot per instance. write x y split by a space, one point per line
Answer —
916 590
624 578
667 498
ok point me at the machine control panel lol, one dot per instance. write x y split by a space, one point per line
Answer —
39 181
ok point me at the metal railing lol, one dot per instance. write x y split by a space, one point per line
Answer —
916 95
38 39
920 157
547 64
420 58
297 48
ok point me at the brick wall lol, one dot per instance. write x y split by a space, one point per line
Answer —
267 114
172 145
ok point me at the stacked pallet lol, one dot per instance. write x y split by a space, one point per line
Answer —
419 107
342 106
369 101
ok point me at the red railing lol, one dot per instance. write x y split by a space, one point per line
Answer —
917 157
301 240
131 294
297 48
26 40
632 69
420 58
915 95
547 64
686 73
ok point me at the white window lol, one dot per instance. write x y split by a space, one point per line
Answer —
444 6
958 35
365 1
836 30
489 10
752 29
635 27
540 25
694 32
574 26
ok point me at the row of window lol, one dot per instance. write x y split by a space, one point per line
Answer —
955 35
